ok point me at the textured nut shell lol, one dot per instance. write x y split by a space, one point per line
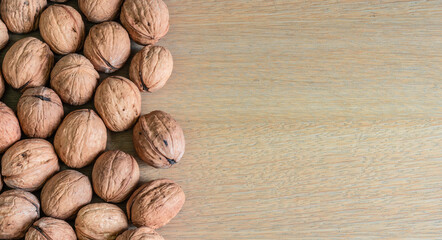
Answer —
27 63
10 131
100 10
74 78
142 233
18 210
4 36
2 85
59 1
158 139
118 101
50 229
155 203
29 163
21 16
146 20
65 193
100 221
80 138
115 176
39 111
62 28
107 46
151 68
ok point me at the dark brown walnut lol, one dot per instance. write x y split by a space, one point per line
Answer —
142 233
115 175
62 28
9 128
18 210
2 85
28 164
4 36
107 46
159 139
27 63
118 101
100 10
155 203
80 138
147 21
21 16
74 78
151 68
65 193
50 229
100 221
40 112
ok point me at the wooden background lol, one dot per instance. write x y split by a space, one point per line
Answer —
303 119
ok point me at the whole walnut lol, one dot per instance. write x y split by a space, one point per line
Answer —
18 210
9 128
74 78
28 164
107 46
39 111
158 139
142 233
80 138
151 68
62 28
100 10
155 203
65 193
50 229
100 221
2 85
21 16
4 36
118 101
146 20
27 63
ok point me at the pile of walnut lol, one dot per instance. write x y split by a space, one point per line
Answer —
30 163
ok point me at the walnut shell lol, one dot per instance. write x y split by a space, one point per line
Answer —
27 63
50 229
18 210
146 20
74 78
155 203
158 139
21 16
10 131
151 68
62 28
118 101
100 221
80 138
2 85
4 36
100 10
65 193
107 46
59 1
142 233
115 175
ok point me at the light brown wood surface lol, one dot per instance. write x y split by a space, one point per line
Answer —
303 119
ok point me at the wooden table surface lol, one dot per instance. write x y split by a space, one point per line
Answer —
303 119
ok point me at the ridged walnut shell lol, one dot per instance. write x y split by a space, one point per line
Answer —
115 175
65 193
2 85
147 21
107 46
100 10
155 203
10 131
74 78
21 16
4 36
100 221
18 210
118 101
80 138
28 63
142 233
62 28
50 229
159 139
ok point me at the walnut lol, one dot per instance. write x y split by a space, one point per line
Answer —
59 1
158 139
155 203
39 111
118 101
27 63
107 46
4 36
9 127
62 28
74 79
100 221
18 210
50 228
65 193
80 138
2 86
100 10
146 20
151 68
21 16
115 175
142 233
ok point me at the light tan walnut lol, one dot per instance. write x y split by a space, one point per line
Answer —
21 16
4 36
50 229
10 131
142 233
100 10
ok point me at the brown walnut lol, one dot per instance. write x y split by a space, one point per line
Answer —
100 10
10 131
21 16
142 233
50 229
59 1
4 36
